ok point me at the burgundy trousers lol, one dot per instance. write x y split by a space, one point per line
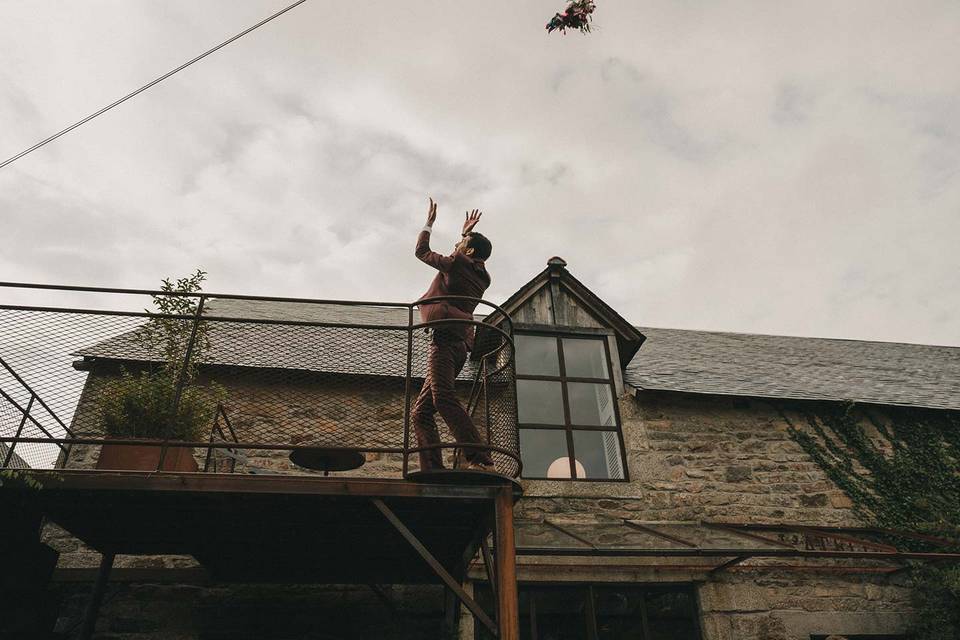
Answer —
445 360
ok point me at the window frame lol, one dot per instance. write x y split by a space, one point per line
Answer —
563 379
590 601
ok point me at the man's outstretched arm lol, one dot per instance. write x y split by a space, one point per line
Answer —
423 252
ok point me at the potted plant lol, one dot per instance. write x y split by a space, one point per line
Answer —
144 405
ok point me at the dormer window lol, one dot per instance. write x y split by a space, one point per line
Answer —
566 400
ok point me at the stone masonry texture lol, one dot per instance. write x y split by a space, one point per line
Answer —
689 458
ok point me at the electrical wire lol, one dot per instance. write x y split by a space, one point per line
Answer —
147 86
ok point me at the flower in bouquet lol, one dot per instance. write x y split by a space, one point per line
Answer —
577 15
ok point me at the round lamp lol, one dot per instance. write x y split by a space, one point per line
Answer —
560 468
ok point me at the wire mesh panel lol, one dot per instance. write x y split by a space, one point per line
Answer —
235 384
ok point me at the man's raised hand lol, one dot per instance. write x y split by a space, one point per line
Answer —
431 213
473 217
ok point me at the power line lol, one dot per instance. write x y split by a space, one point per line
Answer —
148 85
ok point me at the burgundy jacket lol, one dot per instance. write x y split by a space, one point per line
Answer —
459 275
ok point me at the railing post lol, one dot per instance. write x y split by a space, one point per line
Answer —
181 379
486 397
406 393
23 421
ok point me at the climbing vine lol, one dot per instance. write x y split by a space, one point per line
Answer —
901 470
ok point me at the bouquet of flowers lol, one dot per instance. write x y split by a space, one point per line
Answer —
575 16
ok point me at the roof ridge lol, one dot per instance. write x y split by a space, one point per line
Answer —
780 335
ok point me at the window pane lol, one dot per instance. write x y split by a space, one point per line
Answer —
556 613
591 404
539 402
598 454
484 597
671 614
561 613
544 453
585 358
619 613
537 355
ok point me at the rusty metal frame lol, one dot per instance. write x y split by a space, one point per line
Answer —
812 531
736 556
723 526
505 346
580 539
660 534
449 581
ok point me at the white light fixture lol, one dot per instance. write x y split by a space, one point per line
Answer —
560 468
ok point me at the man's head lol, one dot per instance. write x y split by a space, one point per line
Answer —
475 245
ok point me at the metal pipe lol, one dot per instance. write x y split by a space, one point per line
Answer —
96 598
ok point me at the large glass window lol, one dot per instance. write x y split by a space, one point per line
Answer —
569 426
602 612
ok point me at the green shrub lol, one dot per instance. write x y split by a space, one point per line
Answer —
141 406
912 484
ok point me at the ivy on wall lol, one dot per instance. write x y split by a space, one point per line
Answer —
901 470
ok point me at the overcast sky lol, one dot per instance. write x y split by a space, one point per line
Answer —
769 167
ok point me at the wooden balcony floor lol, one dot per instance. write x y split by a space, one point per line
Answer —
272 528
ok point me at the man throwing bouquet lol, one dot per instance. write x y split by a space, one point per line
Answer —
462 273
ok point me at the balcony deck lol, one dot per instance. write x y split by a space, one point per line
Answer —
274 529
248 380
224 398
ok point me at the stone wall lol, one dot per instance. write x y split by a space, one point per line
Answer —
724 459
703 458
689 458
288 409
208 611
788 605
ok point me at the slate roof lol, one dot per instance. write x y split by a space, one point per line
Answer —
363 350
680 360
801 368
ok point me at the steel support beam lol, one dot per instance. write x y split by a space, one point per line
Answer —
438 568
727 564
490 567
96 598
508 606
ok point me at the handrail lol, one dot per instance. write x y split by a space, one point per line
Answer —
35 395
495 340
234 296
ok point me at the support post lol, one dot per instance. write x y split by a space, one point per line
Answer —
96 598
508 607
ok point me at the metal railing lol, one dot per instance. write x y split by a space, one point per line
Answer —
234 383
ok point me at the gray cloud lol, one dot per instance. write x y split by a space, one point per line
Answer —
777 168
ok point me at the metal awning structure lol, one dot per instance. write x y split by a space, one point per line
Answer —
716 546
303 529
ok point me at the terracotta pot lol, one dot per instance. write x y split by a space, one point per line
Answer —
140 457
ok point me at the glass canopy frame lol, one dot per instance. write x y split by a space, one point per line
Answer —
726 544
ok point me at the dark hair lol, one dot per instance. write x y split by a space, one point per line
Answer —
480 245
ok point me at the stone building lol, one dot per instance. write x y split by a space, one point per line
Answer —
663 496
